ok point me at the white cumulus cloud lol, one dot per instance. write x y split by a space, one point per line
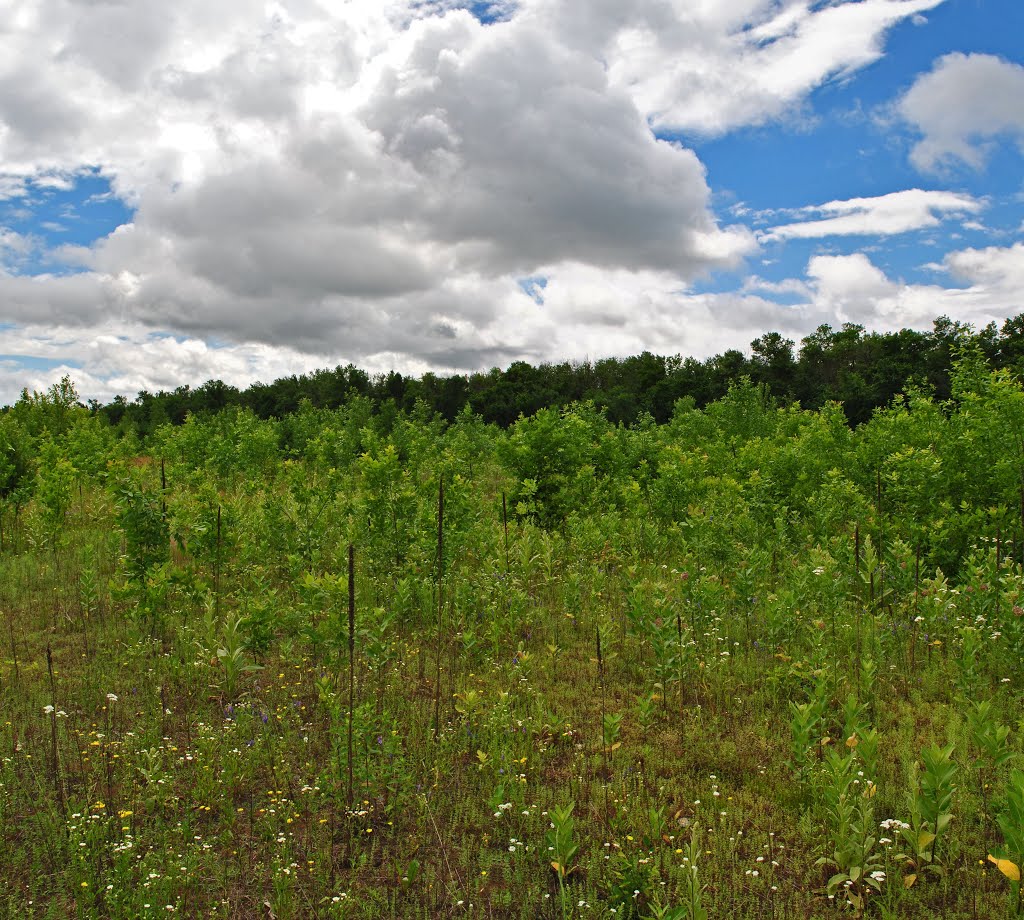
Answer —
961 106
851 288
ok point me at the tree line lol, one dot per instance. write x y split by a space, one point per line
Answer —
861 370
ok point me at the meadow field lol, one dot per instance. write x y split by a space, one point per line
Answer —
749 663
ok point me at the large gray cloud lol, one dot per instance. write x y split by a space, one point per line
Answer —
527 157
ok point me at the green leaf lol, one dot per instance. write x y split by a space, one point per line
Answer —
836 881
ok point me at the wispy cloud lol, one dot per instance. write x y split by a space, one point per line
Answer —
884 215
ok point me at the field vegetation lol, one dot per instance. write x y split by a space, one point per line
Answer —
752 662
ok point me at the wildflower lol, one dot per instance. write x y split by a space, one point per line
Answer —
112 697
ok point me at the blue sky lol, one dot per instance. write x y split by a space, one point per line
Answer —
78 211
845 147
437 185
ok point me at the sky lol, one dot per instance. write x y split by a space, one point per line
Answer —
244 190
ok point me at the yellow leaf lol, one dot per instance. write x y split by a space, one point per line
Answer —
557 867
908 881
1010 869
851 742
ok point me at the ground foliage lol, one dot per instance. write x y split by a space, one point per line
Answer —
751 662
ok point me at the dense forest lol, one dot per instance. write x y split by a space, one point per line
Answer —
361 660
861 370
